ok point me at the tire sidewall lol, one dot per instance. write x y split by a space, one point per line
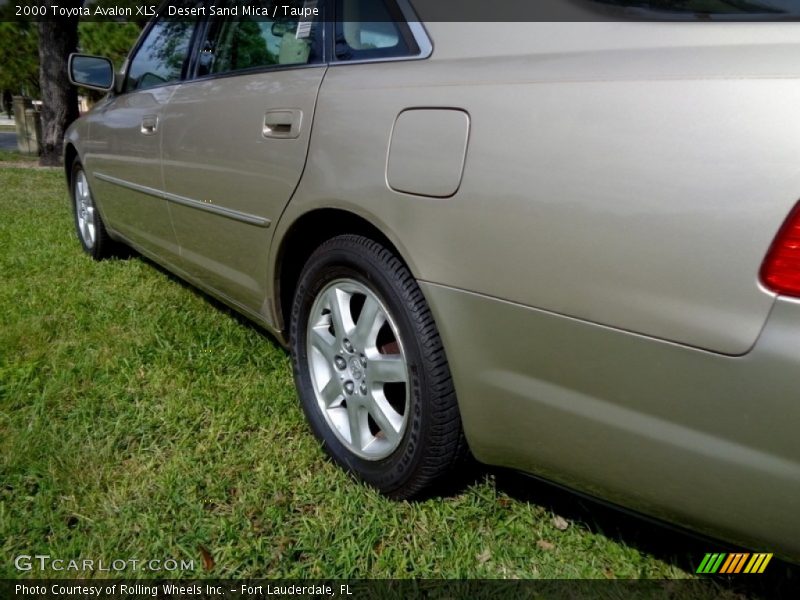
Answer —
367 268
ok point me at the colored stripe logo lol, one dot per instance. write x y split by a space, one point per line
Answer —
734 563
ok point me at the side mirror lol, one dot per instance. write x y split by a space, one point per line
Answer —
119 77
93 72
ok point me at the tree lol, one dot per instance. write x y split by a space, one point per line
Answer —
57 39
112 39
19 68
35 62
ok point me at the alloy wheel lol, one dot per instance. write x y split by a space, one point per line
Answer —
84 209
358 369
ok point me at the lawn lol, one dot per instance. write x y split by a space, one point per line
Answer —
139 419
9 157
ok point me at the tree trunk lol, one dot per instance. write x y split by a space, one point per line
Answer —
57 39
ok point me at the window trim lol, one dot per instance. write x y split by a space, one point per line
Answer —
254 71
205 26
410 20
328 22
187 61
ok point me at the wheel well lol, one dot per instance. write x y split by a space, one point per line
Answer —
305 236
69 156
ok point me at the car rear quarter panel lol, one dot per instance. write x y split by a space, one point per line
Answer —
627 174
694 437
595 275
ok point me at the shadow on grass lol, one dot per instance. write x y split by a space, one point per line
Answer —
672 545
126 253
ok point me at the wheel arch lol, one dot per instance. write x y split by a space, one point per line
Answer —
70 154
304 236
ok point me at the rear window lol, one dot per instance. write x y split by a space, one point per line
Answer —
372 29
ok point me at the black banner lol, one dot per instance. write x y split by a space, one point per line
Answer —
427 10
144 589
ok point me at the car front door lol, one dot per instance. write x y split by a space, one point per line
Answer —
235 144
126 132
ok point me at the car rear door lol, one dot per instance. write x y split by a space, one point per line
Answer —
126 134
235 144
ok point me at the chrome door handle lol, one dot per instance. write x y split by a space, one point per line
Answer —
149 124
284 123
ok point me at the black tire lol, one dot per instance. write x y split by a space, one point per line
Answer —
432 443
95 241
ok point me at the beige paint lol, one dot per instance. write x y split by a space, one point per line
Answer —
593 270
215 152
685 435
427 151
117 149
635 188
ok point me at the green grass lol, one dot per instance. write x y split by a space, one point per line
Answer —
14 156
138 419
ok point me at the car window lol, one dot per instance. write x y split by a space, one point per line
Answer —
368 29
161 56
249 42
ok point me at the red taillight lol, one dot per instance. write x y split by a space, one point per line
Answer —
781 269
